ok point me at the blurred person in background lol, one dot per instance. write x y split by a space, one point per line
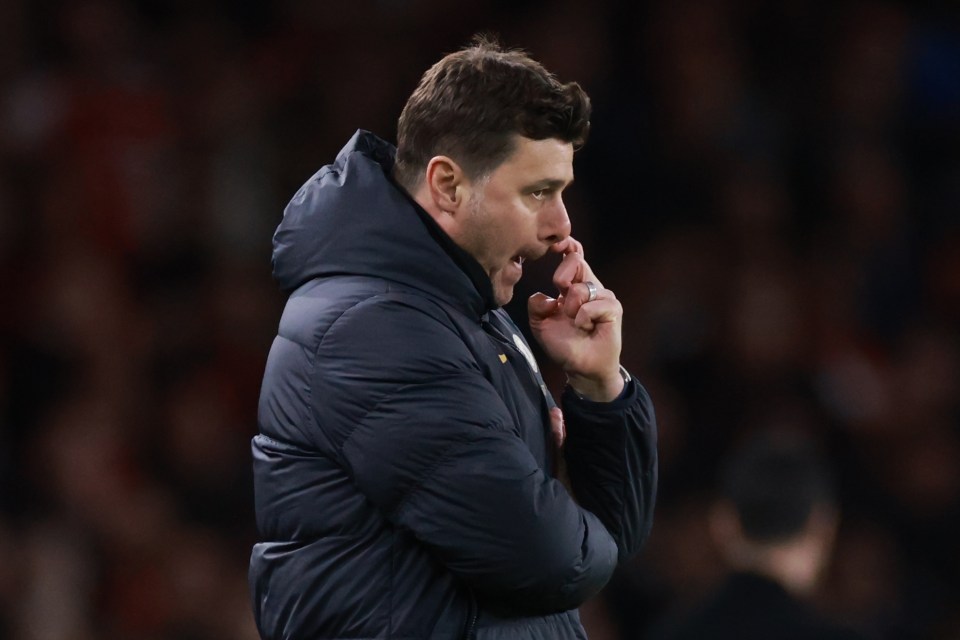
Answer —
774 523
405 467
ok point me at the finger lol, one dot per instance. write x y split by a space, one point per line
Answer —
582 291
568 271
600 311
568 245
573 268
578 294
540 305
557 427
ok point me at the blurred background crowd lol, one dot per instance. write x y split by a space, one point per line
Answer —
771 188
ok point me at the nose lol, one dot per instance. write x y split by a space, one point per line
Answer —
555 225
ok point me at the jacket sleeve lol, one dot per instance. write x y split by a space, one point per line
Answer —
611 456
429 442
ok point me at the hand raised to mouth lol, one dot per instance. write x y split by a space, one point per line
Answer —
581 328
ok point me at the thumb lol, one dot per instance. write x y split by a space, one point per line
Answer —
540 305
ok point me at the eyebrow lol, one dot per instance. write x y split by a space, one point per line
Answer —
550 184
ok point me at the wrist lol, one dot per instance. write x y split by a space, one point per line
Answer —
604 388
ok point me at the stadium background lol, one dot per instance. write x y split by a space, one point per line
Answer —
772 189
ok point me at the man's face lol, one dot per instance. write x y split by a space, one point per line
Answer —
516 213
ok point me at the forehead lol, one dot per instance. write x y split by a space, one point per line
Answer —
549 160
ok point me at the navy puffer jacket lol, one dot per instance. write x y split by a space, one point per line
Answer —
402 469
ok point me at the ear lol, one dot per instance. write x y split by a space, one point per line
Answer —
444 181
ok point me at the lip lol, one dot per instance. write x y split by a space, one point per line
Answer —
531 254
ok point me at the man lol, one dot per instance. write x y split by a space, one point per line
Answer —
403 468
774 522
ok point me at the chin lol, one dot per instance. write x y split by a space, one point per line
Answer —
502 298
503 286
502 294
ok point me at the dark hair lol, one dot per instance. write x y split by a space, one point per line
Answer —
470 104
773 481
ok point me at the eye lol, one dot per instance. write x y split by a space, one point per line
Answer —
539 194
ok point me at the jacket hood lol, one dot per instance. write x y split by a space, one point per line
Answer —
350 218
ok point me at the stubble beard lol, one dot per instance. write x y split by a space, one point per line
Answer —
502 293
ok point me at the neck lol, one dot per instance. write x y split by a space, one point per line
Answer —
794 565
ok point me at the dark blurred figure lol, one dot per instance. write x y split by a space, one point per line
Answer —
774 523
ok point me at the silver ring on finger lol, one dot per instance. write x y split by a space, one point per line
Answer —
591 291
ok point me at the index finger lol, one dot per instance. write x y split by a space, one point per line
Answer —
567 245
573 269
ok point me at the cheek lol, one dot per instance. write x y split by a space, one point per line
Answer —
523 219
508 223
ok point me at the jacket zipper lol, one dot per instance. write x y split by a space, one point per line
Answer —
472 615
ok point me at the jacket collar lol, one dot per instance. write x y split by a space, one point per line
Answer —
352 218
